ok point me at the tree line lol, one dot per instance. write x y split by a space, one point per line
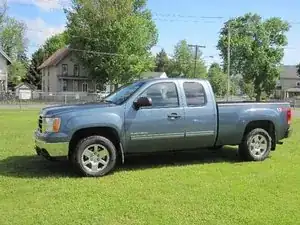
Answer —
114 38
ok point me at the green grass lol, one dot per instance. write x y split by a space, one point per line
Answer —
192 188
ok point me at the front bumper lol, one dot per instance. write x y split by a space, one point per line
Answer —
50 150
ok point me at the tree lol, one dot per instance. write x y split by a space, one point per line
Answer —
54 43
14 44
3 9
51 45
217 79
184 61
33 75
12 37
113 38
162 61
17 70
256 48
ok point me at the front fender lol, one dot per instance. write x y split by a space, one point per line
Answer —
111 120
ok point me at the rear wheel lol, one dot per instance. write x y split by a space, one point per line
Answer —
256 145
94 156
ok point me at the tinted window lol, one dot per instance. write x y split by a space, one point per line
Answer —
162 95
194 93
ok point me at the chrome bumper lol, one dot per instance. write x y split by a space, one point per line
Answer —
50 150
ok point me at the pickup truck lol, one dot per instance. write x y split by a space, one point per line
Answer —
155 115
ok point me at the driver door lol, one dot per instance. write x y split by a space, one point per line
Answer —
159 127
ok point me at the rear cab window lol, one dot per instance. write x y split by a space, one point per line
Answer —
194 94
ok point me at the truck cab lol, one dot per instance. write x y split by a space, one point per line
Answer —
181 114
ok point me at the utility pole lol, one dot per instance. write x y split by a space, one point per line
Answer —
196 55
228 63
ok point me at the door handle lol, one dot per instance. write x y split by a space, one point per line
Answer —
173 116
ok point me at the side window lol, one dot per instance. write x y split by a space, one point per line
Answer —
64 69
163 95
194 94
76 70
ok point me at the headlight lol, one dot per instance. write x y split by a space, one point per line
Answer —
51 124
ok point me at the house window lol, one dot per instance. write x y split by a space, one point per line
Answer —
298 84
84 87
64 69
65 85
48 77
76 70
75 85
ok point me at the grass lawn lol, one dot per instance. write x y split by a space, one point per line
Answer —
193 188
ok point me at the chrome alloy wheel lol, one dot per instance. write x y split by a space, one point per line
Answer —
95 158
258 145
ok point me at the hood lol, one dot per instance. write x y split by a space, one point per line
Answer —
59 109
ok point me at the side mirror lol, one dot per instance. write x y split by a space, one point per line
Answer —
142 102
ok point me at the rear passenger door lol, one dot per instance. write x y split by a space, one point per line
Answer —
200 115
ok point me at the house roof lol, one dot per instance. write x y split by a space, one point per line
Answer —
5 56
55 58
289 71
30 86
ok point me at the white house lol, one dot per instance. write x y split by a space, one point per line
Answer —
5 61
24 91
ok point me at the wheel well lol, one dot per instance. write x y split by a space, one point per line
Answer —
108 132
264 124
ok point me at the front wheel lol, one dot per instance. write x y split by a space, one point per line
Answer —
256 145
95 156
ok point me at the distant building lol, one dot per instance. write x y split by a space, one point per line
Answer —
5 61
62 72
288 85
149 75
24 91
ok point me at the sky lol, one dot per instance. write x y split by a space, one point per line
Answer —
175 20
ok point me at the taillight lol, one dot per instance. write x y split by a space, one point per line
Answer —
289 115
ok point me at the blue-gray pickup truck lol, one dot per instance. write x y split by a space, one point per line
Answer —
158 115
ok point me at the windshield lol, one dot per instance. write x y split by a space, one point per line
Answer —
121 95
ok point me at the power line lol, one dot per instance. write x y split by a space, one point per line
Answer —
185 21
63 3
186 16
159 46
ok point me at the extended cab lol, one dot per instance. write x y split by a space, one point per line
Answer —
158 115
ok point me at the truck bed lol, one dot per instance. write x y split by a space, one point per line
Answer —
234 116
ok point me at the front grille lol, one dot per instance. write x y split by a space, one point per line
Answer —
40 124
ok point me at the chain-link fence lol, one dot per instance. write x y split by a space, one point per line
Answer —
27 98
40 99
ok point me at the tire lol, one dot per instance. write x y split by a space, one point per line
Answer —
90 163
256 145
